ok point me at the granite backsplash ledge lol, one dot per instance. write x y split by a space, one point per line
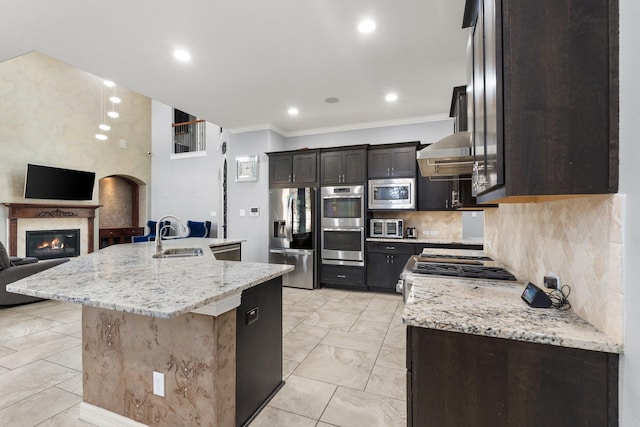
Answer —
579 239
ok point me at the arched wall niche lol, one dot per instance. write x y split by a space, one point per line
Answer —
123 202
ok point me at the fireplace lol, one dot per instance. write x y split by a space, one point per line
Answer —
48 244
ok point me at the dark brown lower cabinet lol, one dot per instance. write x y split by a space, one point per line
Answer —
116 235
342 276
258 349
456 379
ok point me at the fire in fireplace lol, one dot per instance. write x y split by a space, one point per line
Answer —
48 244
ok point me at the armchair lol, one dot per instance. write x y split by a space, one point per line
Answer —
151 234
199 229
13 269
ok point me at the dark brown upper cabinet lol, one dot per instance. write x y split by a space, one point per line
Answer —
545 98
461 193
392 161
343 167
293 169
434 195
458 109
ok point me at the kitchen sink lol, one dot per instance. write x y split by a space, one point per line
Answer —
179 252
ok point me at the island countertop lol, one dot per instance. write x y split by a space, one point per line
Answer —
126 278
495 309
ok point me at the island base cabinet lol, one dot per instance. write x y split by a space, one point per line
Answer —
259 349
195 353
456 379
218 371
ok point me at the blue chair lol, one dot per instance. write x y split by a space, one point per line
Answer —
199 229
151 235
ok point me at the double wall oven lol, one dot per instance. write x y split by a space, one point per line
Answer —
342 224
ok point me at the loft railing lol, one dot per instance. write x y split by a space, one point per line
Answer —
189 137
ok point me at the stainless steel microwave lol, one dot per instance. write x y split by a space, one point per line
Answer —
390 194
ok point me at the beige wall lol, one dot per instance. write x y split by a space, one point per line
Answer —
579 239
49 114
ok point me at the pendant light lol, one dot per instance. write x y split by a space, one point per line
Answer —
103 122
114 100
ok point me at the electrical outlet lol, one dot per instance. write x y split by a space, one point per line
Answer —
552 280
158 383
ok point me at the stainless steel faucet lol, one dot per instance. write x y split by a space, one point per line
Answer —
181 228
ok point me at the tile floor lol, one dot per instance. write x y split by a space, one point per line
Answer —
343 364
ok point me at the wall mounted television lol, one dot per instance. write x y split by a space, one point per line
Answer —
47 182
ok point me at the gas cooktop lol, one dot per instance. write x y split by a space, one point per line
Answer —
448 257
463 270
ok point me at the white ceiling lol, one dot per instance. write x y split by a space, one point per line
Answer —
253 59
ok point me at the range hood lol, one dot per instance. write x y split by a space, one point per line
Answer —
449 157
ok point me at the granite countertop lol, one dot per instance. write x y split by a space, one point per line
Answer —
495 309
220 242
126 278
428 240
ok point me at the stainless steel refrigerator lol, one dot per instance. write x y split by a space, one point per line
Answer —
291 234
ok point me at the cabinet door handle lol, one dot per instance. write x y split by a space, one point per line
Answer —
294 178
446 204
289 178
390 248
341 276
388 171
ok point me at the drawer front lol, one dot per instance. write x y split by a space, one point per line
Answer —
391 248
342 275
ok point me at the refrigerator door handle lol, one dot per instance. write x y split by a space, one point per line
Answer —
289 219
278 251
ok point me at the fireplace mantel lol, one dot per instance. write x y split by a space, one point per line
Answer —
48 210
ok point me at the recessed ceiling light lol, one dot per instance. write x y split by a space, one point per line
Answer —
182 55
113 114
101 137
109 83
293 111
115 99
105 127
366 26
391 97
332 100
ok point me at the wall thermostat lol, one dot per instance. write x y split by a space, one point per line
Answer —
254 211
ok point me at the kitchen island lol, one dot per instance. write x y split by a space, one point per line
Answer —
171 341
478 355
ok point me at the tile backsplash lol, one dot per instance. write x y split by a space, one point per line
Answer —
579 239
